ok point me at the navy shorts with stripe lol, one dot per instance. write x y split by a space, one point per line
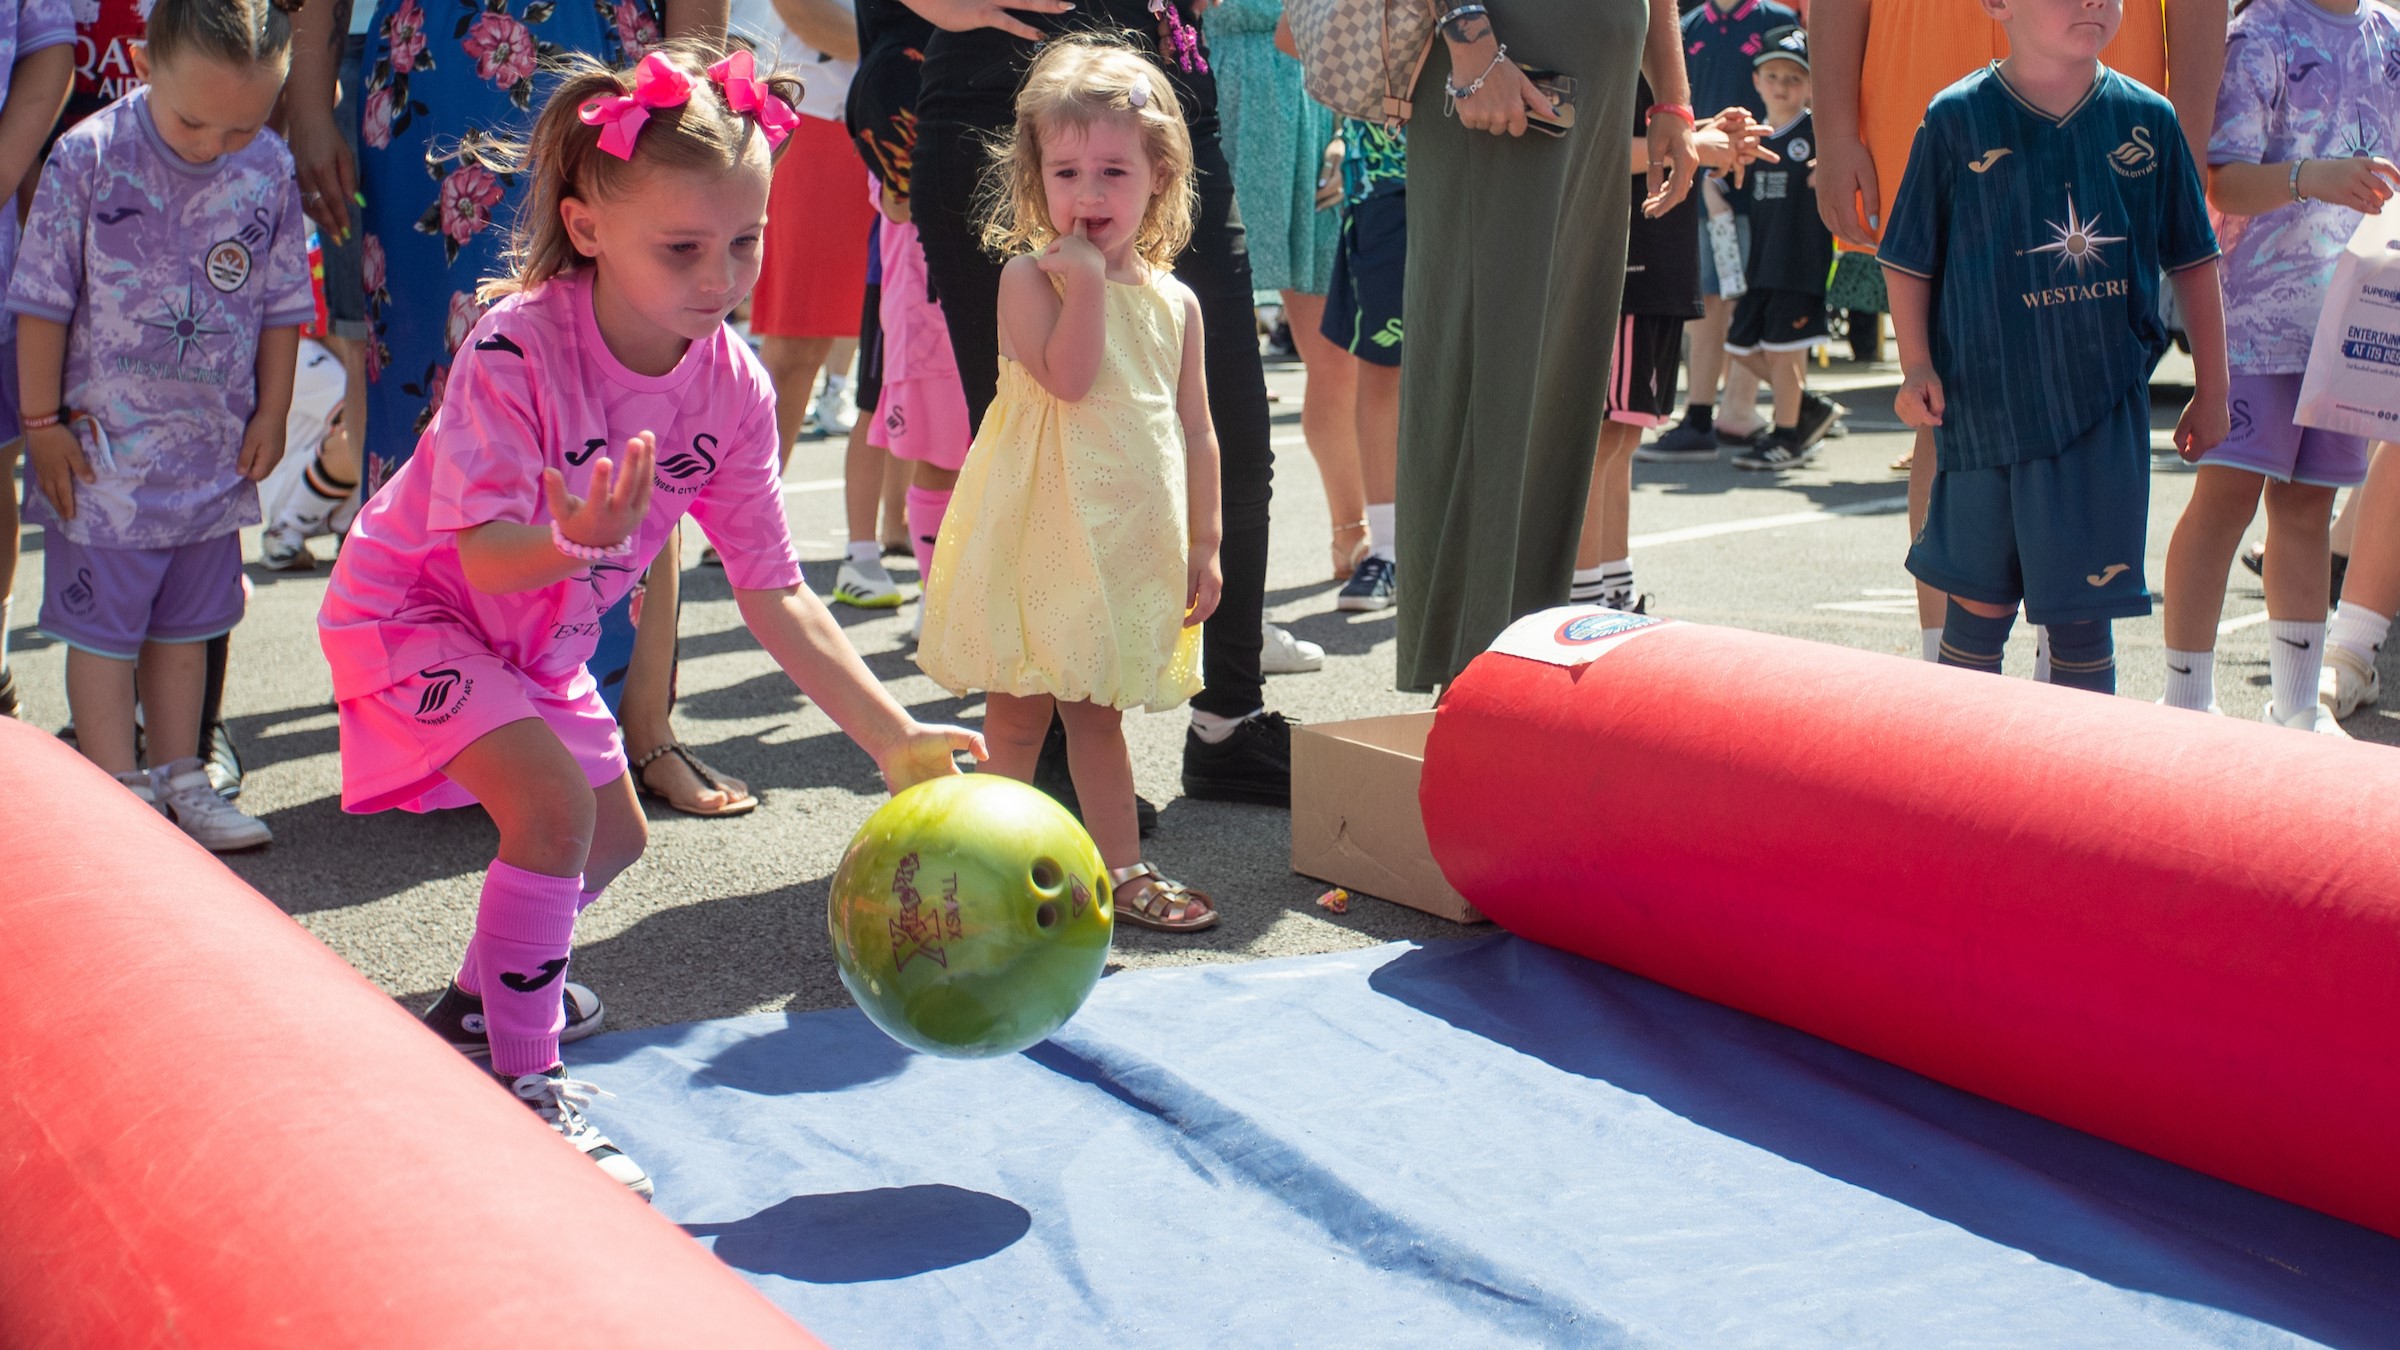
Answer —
2065 535
1362 304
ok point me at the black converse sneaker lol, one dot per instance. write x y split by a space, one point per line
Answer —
559 1101
457 1017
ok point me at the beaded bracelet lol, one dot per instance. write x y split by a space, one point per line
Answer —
587 552
1470 91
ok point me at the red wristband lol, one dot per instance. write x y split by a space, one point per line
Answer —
37 423
1682 110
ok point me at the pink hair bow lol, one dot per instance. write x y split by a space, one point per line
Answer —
656 84
746 93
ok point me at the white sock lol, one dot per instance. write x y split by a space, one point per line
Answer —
1383 530
1588 586
1214 729
2041 653
1932 637
2295 657
2356 629
866 553
2191 679
1616 583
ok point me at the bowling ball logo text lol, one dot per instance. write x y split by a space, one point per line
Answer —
919 929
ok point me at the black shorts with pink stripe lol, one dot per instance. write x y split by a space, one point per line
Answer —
1641 369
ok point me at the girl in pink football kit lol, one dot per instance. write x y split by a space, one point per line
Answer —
470 591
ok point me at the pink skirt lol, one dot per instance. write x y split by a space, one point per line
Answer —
922 415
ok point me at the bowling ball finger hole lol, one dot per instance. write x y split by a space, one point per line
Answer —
1048 876
1047 914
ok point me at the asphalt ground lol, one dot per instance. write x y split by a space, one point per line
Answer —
725 917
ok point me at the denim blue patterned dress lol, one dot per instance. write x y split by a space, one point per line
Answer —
443 77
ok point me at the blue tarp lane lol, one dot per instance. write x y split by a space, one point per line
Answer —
1472 1143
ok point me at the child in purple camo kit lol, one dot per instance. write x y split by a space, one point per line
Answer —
159 299
37 62
2308 124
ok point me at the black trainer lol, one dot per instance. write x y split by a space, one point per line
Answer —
8 692
457 1017
1252 765
223 761
1817 415
1051 775
1781 448
1685 442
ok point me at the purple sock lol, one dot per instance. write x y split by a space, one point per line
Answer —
926 508
522 934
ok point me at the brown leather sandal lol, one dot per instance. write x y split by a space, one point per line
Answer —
740 806
1145 898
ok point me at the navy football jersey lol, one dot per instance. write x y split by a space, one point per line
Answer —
1790 248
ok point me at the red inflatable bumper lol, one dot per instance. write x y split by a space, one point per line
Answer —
2178 932
214 1133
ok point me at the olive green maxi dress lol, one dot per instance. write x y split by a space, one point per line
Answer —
1516 260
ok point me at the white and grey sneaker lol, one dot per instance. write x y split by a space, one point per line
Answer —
865 586
2348 683
1284 654
559 1101
284 548
2315 717
834 411
138 783
192 801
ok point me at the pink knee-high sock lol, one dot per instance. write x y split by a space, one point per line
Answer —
926 508
470 973
523 930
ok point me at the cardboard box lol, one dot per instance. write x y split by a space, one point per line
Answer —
1355 820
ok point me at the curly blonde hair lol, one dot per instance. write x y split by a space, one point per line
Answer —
1076 82
564 156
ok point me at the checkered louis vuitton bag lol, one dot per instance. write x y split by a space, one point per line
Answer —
1362 57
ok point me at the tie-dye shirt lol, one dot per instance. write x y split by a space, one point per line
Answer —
26 28
2299 84
535 387
165 273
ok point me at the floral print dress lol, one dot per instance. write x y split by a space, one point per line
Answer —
448 77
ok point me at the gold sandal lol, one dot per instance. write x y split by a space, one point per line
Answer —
1346 560
1145 898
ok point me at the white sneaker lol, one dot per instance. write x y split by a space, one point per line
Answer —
284 548
1284 654
866 586
916 628
2315 717
559 1101
138 783
192 801
2349 682
834 411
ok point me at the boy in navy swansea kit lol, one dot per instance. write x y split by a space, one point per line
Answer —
1782 314
2043 197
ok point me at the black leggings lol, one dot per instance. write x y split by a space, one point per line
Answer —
949 167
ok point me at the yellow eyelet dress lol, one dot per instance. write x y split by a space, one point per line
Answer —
1060 567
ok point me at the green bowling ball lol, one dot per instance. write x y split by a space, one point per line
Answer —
971 916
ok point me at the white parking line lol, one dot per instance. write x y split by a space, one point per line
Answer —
1873 506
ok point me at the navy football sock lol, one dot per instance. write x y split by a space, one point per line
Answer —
2084 656
1973 641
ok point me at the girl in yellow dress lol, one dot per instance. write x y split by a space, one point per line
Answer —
1079 555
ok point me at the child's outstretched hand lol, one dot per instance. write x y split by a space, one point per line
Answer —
1204 584
1072 253
2204 425
262 447
57 461
925 752
620 497
1919 402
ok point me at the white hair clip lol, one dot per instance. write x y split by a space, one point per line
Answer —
1138 96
